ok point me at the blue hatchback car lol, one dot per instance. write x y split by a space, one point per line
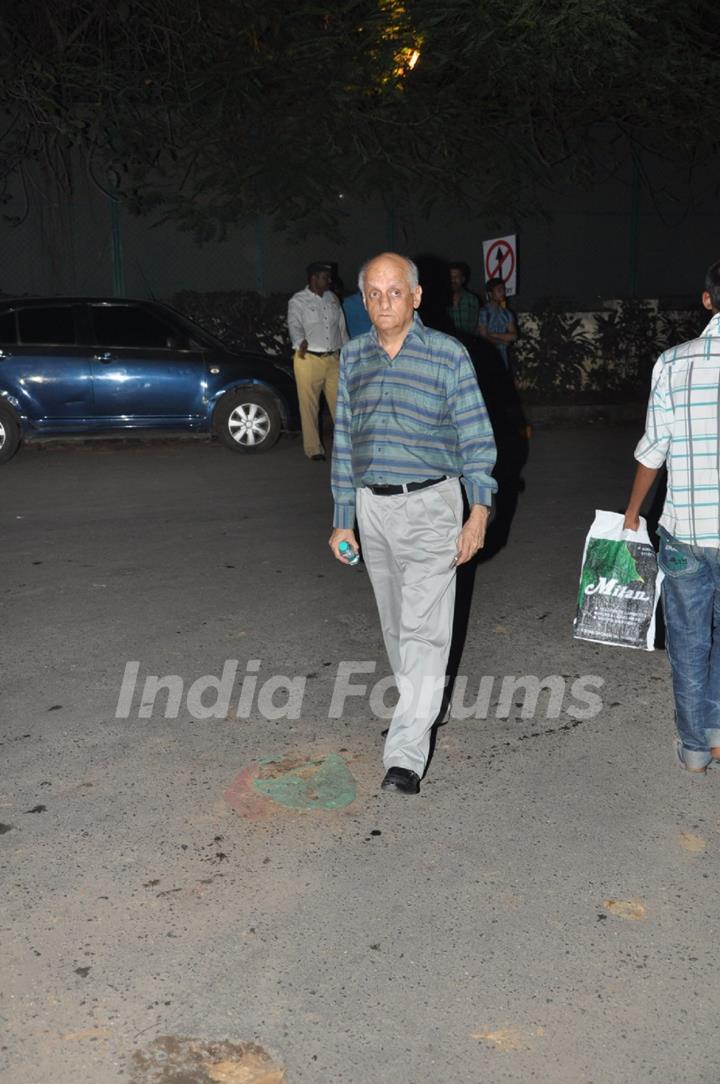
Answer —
89 365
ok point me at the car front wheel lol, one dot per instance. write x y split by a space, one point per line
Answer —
9 433
248 421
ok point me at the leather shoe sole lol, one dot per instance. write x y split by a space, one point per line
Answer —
401 780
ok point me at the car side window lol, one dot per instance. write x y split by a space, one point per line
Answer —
51 326
123 325
8 333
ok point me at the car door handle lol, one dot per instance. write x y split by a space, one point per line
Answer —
105 358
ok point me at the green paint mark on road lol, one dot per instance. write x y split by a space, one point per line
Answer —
309 784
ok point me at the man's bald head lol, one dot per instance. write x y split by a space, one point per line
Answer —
395 259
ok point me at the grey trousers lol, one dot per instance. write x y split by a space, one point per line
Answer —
409 542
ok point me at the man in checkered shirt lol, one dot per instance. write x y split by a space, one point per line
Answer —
682 431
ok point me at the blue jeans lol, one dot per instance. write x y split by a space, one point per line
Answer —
691 603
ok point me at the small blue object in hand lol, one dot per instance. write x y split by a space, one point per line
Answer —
351 555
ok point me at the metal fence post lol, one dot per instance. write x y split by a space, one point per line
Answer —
259 255
634 228
118 264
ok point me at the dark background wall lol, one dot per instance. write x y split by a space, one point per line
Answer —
614 241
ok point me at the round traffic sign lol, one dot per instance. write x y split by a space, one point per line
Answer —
500 260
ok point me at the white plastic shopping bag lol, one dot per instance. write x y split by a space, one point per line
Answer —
619 585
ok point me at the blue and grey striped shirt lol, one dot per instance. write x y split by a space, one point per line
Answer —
416 416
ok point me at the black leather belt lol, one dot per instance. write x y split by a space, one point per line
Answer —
393 491
321 353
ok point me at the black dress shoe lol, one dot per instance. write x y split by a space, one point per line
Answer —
402 780
320 457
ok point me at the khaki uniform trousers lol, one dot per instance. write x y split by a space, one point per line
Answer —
315 374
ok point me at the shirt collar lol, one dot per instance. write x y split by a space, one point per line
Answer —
713 328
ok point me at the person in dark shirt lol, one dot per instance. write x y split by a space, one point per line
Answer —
356 317
464 309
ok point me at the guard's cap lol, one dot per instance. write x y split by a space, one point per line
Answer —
317 266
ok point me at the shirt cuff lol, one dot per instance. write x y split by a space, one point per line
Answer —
653 456
654 462
477 494
344 517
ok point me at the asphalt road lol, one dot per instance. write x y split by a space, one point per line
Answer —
542 911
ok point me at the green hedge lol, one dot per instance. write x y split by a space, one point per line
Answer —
597 356
561 357
243 319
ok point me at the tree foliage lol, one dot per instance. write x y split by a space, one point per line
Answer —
212 111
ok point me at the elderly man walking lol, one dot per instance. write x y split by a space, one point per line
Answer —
317 331
410 422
